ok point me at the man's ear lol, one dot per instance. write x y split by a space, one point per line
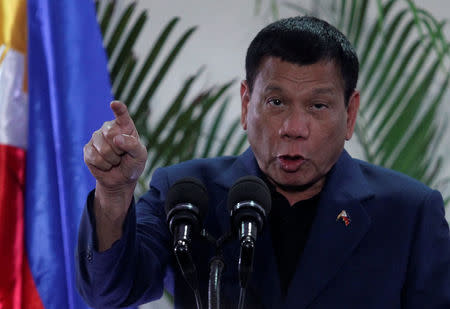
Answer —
352 111
245 99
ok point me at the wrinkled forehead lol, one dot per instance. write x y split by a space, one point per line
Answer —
273 71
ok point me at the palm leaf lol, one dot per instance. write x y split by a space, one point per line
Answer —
119 29
129 66
150 59
174 108
106 17
240 144
127 46
217 121
140 114
231 131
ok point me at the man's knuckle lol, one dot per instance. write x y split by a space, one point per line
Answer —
94 157
90 159
133 141
96 160
107 124
115 160
109 133
103 147
111 157
87 150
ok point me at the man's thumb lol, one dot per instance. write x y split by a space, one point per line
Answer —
130 145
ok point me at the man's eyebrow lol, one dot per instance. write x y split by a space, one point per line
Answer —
271 88
324 90
314 91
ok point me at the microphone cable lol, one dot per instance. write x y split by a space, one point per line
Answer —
242 298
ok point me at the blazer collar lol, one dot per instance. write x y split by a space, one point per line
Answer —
244 165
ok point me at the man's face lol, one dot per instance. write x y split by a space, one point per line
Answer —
297 121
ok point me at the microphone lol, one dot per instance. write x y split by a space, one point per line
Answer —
186 206
249 203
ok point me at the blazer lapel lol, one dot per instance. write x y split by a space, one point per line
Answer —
264 284
244 165
331 241
265 278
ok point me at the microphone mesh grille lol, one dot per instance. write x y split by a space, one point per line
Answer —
250 188
188 190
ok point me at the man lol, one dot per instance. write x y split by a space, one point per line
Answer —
341 234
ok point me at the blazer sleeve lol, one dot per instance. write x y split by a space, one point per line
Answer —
132 271
428 278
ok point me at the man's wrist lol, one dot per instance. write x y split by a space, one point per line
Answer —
110 210
113 203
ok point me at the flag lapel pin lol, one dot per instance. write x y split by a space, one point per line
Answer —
344 217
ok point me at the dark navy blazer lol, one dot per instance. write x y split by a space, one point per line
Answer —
395 253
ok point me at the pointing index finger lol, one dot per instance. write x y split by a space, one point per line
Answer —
121 113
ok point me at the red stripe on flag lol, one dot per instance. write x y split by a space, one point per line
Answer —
17 289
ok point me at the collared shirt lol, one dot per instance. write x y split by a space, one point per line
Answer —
290 226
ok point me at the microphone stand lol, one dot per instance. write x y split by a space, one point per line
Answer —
182 253
248 237
216 267
215 276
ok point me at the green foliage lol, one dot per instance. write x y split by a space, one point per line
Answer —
273 7
180 132
403 82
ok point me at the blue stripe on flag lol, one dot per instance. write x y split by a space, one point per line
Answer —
69 95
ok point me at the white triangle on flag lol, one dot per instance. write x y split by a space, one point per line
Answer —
13 100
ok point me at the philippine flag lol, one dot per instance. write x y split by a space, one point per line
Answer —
54 93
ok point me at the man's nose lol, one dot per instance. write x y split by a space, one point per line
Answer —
295 126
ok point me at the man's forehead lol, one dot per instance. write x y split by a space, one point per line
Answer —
312 91
275 59
320 78
270 63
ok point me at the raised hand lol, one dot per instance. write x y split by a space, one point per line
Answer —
116 158
114 155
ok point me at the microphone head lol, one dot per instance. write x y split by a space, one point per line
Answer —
187 200
246 189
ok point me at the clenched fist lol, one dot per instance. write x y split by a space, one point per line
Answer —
116 158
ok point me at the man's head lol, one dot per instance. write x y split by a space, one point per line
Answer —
303 40
299 102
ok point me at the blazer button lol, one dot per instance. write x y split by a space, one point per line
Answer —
89 256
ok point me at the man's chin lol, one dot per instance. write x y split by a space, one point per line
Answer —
291 185
294 187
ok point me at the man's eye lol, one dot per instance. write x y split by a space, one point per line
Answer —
275 102
319 106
